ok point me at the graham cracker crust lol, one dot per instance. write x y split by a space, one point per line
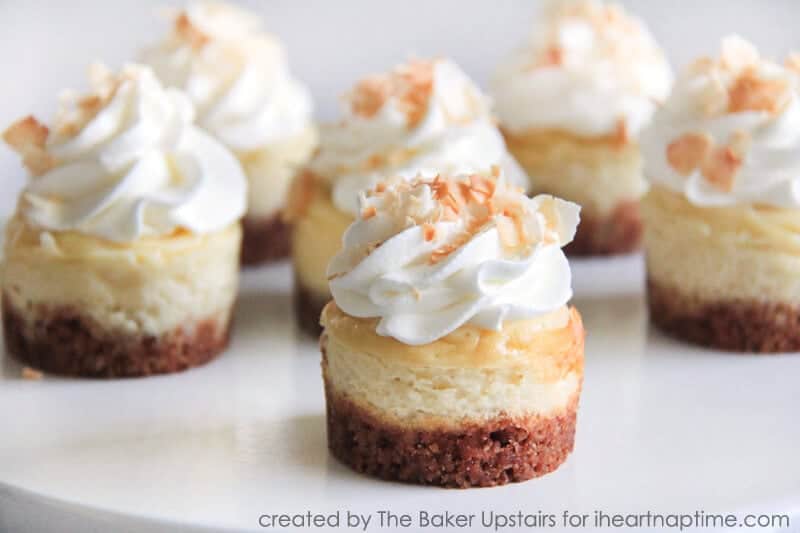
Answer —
68 343
500 451
735 325
308 307
618 233
264 240
477 454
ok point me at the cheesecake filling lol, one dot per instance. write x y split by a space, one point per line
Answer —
432 389
123 256
449 355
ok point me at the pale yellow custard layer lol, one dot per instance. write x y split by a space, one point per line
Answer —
150 286
722 253
317 232
552 343
596 172
270 171
532 367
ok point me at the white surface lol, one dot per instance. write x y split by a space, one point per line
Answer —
45 45
661 426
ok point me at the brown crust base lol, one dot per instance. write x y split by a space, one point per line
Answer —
68 343
738 326
500 451
618 233
264 240
308 307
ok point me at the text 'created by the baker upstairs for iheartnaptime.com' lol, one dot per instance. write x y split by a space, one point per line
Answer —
490 520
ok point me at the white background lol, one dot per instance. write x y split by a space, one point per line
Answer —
45 46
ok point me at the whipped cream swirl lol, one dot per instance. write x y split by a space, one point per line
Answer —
126 162
588 68
425 116
236 75
429 255
730 132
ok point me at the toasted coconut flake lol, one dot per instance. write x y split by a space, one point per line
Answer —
369 96
445 192
301 194
621 136
419 79
444 251
793 62
31 374
91 103
369 212
720 168
687 152
753 93
189 32
482 186
474 201
477 196
28 137
507 230
428 231
26 133
411 84
737 54
438 255
552 57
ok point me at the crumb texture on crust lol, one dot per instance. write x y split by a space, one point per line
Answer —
486 454
598 173
63 341
554 342
264 240
731 325
308 306
619 232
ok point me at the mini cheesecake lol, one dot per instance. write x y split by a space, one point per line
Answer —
239 80
449 354
423 116
77 305
722 230
123 256
571 104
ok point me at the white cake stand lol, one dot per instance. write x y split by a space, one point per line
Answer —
662 427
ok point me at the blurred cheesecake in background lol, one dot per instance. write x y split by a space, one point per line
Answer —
122 258
449 354
722 233
572 102
425 115
238 78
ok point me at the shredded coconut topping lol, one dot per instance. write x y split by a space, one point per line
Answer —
411 84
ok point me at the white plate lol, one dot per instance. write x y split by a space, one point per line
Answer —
662 427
